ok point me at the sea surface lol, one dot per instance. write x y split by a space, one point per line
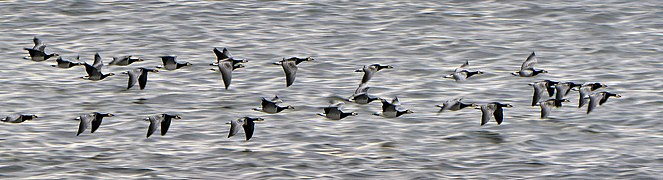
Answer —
615 42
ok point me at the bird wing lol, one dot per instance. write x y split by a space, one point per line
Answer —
604 98
155 121
133 77
37 42
165 124
168 60
486 113
222 55
248 127
395 101
226 69
84 123
91 70
142 79
550 88
465 65
363 88
234 127
546 107
498 112
290 69
276 99
594 101
96 122
368 74
98 63
561 89
530 62
539 88
584 92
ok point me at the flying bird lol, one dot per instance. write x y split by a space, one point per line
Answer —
527 68
334 112
392 109
493 109
597 99
370 70
94 70
64 63
271 106
139 75
19 118
361 95
247 124
169 63
162 120
93 120
226 64
37 52
290 68
461 73
124 60
454 105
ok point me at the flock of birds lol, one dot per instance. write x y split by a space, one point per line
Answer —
225 64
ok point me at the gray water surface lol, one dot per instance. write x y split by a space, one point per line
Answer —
615 42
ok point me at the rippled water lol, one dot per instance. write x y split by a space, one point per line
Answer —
615 42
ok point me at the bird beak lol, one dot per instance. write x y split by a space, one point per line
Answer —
111 115
359 70
509 105
618 96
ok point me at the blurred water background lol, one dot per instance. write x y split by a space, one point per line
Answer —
616 42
